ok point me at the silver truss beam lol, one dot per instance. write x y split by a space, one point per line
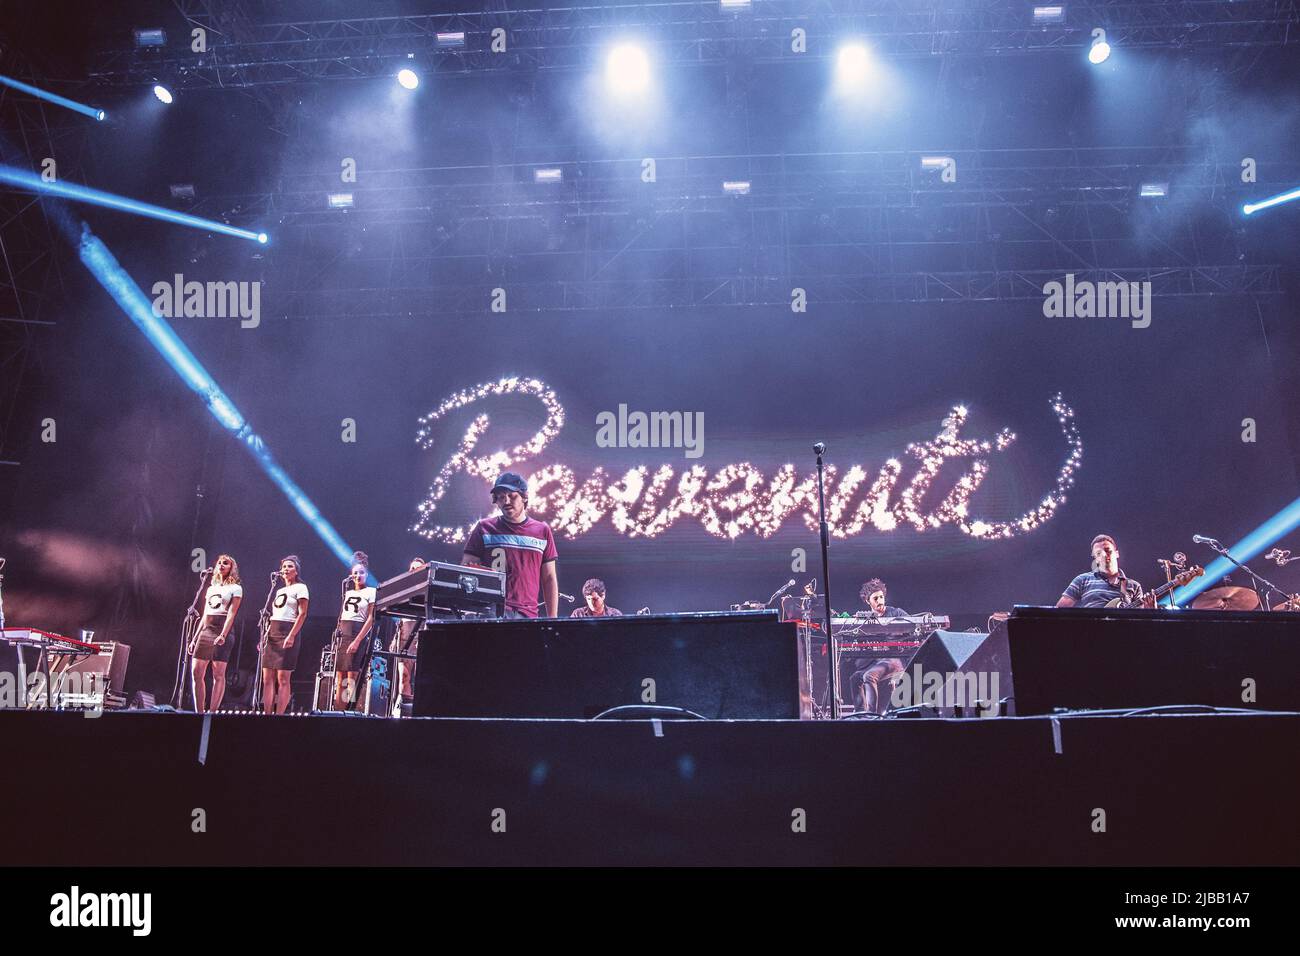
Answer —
247 47
766 291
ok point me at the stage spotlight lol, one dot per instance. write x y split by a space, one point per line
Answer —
27 180
182 191
262 238
1099 52
164 95
451 40
736 187
1265 536
1050 13
1153 190
552 175
139 309
408 78
82 108
1277 200
340 201
627 70
852 66
735 4
150 38
101 116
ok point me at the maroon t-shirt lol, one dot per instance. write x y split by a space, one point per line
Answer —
526 546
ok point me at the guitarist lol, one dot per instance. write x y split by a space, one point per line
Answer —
1106 581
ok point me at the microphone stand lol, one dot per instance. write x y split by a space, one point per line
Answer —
778 592
832 649
1269 586
189 627
264 631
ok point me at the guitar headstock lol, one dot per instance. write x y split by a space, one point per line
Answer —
1192 573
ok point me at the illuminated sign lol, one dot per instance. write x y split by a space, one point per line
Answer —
737 498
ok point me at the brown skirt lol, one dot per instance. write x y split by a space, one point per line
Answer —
276 656
206 647
345 662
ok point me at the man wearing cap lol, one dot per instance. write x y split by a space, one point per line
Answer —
1104 583
526 544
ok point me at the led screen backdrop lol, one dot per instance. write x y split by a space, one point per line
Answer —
1036 433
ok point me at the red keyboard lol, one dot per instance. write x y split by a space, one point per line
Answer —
32 637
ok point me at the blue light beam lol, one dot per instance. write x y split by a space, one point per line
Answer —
105 267
94 112
1276 527
25 179
1271 201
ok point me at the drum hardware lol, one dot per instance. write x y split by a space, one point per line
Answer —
1262 589
1228 598
1290 604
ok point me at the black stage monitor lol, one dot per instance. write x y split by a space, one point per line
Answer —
1101 659
715 664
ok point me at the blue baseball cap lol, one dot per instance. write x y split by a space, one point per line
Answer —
509 481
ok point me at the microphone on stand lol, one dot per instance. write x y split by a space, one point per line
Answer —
1201 539
567 597
781 590
644 610
1277 554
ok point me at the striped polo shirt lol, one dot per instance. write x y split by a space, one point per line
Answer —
1093 589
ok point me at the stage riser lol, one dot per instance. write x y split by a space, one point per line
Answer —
121 789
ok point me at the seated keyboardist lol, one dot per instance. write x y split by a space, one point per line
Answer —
594 594
866 683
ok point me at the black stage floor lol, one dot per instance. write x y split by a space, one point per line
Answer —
126 788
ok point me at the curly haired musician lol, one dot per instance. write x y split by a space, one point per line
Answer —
594 594
865 683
